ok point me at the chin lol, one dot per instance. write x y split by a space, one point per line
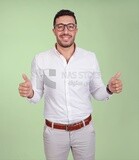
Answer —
66 45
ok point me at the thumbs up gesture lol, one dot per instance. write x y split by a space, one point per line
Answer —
25 88
115 84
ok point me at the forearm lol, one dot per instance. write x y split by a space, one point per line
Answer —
37 83
101 94
36 97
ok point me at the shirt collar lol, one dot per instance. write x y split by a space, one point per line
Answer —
57 52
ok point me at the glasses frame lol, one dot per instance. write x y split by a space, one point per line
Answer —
65 25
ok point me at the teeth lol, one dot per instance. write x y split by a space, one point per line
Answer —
65 38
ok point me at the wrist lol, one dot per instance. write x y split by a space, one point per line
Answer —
31 94
108 90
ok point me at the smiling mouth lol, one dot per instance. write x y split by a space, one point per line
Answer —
66 38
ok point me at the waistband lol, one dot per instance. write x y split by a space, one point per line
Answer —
69 127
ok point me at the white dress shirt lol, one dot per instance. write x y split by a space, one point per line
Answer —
67 87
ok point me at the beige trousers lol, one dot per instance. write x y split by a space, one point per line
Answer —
57 143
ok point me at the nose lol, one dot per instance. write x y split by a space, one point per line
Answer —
65 29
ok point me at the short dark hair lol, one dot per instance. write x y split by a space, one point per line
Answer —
64 12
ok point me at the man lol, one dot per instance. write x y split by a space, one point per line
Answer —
67 76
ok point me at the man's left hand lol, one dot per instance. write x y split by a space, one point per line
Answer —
115 84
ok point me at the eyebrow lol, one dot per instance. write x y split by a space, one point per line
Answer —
64 24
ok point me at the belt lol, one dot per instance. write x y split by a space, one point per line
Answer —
69 127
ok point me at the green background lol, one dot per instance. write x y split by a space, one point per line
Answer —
110 28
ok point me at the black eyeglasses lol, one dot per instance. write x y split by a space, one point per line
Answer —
61 26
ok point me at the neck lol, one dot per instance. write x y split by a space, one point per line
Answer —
67 52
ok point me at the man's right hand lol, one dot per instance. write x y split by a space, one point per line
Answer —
25 88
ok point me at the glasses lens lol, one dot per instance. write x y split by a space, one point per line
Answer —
61 27
71 27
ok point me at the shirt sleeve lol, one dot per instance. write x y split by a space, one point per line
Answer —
97 87
37 82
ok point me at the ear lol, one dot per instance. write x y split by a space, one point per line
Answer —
54 31
76 30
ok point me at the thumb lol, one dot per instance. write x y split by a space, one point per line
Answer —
117 75
24 76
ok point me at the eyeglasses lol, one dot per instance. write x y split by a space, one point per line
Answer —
61 26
